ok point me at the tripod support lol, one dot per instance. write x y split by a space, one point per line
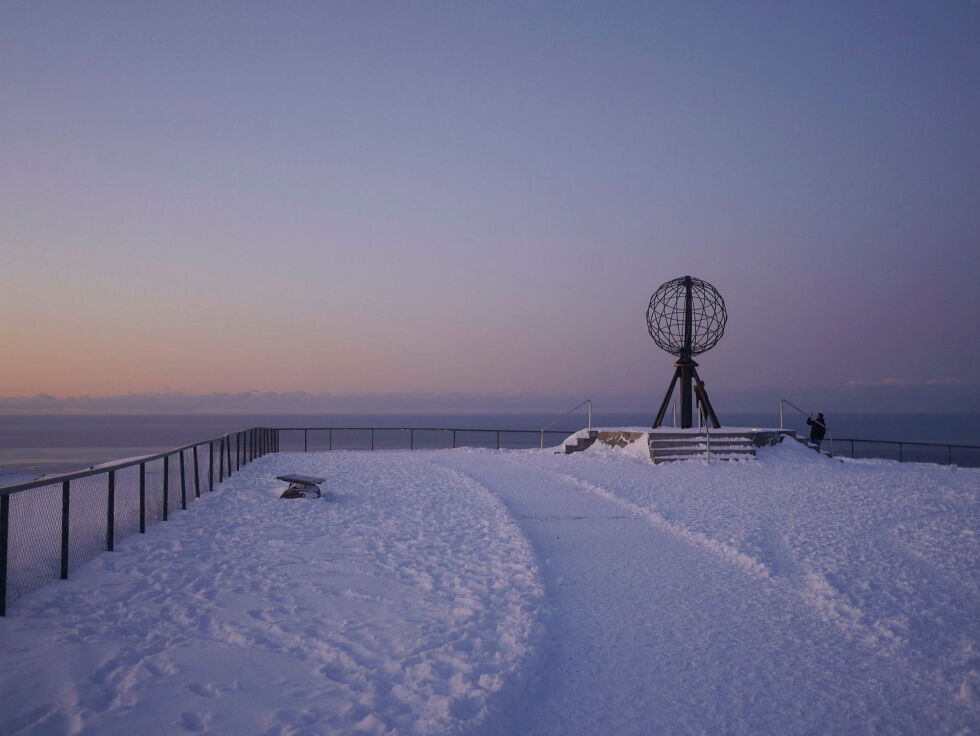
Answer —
686 371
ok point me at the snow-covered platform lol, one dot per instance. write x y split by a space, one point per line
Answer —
668 444
492 592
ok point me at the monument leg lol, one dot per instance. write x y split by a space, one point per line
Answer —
663 407
703 395
687 410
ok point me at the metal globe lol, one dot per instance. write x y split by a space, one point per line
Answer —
667 316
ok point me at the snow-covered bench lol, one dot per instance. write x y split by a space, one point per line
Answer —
301 486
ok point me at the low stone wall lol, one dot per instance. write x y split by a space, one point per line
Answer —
620 438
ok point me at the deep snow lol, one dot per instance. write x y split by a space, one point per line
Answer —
503 592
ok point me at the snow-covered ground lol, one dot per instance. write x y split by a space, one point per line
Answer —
523 592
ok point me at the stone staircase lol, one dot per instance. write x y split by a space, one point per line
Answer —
581 443
668 447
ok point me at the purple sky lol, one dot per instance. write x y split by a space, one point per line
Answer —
481 198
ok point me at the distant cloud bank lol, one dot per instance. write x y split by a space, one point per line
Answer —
890 395
293 402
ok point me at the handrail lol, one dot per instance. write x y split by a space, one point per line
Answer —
830 435
707 437
787 401
574 408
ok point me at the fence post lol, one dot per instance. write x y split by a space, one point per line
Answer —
305 439
411 439
949 455
166 486
64 528
852 449
4 534
183 484
329 439
110 522
901 455
197 476
372 438
238 450
498 439
142 498
454 439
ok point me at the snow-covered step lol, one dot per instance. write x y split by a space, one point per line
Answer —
806 443
661 443
702 456
582 442
704 443
701 449
670 447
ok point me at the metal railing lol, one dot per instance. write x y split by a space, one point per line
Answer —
318 439
52 525
830 435
925 452
573 409
904 451
703 419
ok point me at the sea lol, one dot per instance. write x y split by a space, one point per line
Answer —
49 444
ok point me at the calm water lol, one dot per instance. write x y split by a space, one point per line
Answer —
56 444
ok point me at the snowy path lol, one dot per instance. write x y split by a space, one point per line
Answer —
655 628
403 604
522 592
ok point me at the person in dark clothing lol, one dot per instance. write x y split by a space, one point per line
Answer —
818 428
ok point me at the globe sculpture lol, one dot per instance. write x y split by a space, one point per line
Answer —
686 317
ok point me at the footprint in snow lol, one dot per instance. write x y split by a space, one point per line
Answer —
194 722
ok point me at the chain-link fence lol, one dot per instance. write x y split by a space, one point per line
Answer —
50 527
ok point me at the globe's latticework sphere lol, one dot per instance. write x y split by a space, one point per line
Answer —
671 310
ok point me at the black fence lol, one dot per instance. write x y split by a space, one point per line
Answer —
319 439
966 456
51 526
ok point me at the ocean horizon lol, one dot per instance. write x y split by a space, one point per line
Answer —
45 444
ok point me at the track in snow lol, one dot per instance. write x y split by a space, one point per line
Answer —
656 628
519 592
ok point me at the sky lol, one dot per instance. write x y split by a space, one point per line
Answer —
409 199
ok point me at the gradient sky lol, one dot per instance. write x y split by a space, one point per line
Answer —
481 197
